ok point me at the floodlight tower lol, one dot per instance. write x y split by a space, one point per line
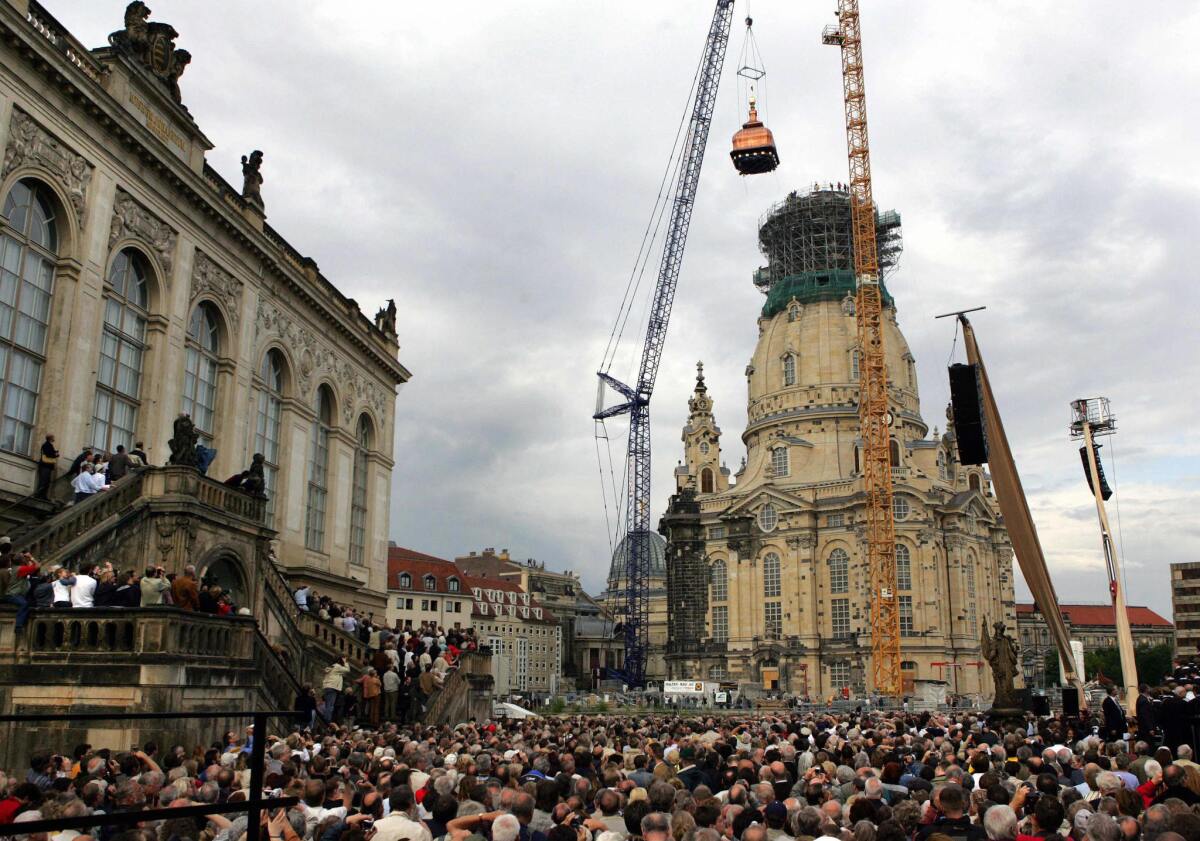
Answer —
1091 418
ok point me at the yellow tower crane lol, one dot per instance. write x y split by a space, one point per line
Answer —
873 413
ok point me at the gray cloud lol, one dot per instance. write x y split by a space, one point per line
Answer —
491 166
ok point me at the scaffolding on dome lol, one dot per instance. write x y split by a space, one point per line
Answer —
809 233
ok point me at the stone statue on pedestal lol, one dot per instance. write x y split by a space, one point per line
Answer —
255 482
1000 651
183 442
251 178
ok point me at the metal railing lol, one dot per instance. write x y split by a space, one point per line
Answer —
253 806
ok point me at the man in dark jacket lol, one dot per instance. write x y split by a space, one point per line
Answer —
689 774
1114 715
119 464
951 801
1144 710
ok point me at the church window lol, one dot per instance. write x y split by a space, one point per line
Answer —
704 448
779 461
318 471
835 521
773 619
358 495
839 612
972 617
29 249
855 361
794 312
771 582
768 518
839 674
903 567
719 579
716 532
720 623
894 452
122 346
267 424
912 374
839 571
200 371
900 507
941 464
907 628
706 480
973 482
789 369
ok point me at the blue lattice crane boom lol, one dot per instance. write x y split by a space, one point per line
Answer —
637 398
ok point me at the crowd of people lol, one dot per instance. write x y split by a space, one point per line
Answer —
862 776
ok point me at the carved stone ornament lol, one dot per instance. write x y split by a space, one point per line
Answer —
314 360
210 279
29 143
130 219
152 45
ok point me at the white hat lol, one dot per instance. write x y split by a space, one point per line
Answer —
451 760
510 755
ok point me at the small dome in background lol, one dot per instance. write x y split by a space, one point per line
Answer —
658 561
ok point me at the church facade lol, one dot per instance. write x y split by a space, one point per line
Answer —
138 284
767 582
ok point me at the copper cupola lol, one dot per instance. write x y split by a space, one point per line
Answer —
754 146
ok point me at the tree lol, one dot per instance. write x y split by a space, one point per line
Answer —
1153 663
1053 678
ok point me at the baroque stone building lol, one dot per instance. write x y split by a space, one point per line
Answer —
139 284
766 569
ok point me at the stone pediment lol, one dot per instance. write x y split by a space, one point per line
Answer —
782 500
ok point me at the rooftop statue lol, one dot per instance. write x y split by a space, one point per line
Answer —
152 45
252 178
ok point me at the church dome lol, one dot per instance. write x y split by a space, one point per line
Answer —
658 561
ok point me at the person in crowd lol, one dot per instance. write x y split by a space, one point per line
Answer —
106 588
15 588
154 586
47 462
331 688
185 590
119 465
88 482
84 456
83 592
139 452
129 590
64 583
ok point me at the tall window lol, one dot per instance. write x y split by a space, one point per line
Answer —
706 480
720 623
719 579
430 582
789 369
358 500
839 571
839 611
907 629
941 463
903 567
267 424
771 585
405 581
839 674
29 245
200 371
779 461
772 619
768 518
452 585
972 618
122 346
894 452
855 361
318 471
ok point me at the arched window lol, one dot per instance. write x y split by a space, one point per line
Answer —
793 312
768 517
452 584
912 374
405 581
903 567
771 584
855 362
719 580
358 500
318 470
894 452
706 480
430 583
941 464
974 482
122 347
789 369
839 571
200 372
29 249
900 507
779 461
267 423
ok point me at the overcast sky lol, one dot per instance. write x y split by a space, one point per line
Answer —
491 166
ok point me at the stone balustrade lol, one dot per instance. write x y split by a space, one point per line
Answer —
45 25
467 692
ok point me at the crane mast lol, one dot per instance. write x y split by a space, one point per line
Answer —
873 413
637 399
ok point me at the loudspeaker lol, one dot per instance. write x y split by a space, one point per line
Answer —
1105 490
966 402
1070 696
1035 703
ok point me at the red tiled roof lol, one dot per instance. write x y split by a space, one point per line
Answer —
504 585
418 565
1102 615
485 566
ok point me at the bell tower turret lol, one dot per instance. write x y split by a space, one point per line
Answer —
702 466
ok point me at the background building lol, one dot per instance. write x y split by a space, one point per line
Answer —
1094 625
422 589
773 567
613 599
1185 608
525 638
